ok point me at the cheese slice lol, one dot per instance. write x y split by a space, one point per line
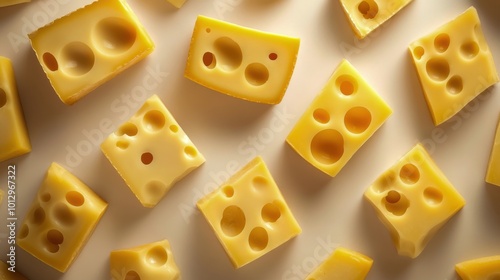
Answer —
343 264
149 261
413 199
86 48
454 65
493 173
62 217
486 268
248 214
245 63
14 139
151 152
4 3
6 274
344 115
177 3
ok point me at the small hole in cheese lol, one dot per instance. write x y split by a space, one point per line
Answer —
155 189
357 119
327 146
321 115
128 129
469 50
154 120
396 203
409 174
346 84
122 144
433 196
393 197
3 98
418 52
147 158
174 128
75 198
157 256
132 275
209 60
259 183
256 74
114 35
438 69
228 53
258 239
442 42
23 233
77 59
55 237
368 8
63 215
50 61
455 85
228 191
271 212
38 216
273 56
233 221
45 197
190 152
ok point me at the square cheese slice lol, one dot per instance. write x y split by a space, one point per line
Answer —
493 173
485 268
14 139
149 261
4 3
344 115
6 274
454 65
86 48
151 152
241 62
343 264
61 219
413 199
248 214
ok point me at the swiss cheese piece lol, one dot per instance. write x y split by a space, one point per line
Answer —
248 214
241 62
62 217
151 152
486 268
86 48
493 173
343 264
151 261
366 15
14 139
454 65
6 274
4 3
177 3
339 121
414 199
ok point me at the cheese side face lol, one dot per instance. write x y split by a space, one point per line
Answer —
454 65
248 214
62 217
149 261
177 3
366 15
493 173
241 62
344 115
343 264
4 3
14 139
151 152
86 48
485 268
413 199
6 274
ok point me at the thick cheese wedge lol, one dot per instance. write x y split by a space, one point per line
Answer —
241 62
413 199
62 217
493 173
454 65
14 139
151 152
177 3
486 268
145 262
248 214
86 48
4 3
343 264
366 15
5 274
339 121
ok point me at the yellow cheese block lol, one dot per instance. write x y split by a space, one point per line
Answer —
493 173
5 274
241 62
454 65
366 15
1 197
145 262
4 3
86 48
62 217
177 3
248 214
343 264
14 139
151 152
339 120
413 199
487 268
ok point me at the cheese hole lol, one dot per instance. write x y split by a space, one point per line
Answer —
114 35
273 56
228 53
455 85
157 256
154 120
54 238
393 197
327 146
77 59
64 215
271 212
209 60
147 158
418 52
469 50
396 203
3 98
433 196
256 74
208 30
409 174
38 216
128 129
75 198
50 61
480 37
258 239
228 191
357 119
155 188
24 231
122 144
259 183
384 182
45 197
346 84
132 275
233 221
438 69
442 42
321 115
190 152
174 128
368 8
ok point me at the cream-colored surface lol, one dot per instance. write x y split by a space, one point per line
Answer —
177 3
343 264
493 173
5 274
4 3
486 268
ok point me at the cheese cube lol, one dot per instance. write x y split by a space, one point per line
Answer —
366 15
343 264
6 274
493 173
86 48
14 139
4 3
454 65
62 217
177 3
241 62
151 152
248 214
486 268
339 121
413 199
148 261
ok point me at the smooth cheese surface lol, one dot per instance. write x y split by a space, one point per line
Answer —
343 264
344 115
414 199
248 214
86 48
145 262
14 138
5 274
62 217
177 3
454 65
151 152
366 15
241 62
493 173
486 268
4 3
